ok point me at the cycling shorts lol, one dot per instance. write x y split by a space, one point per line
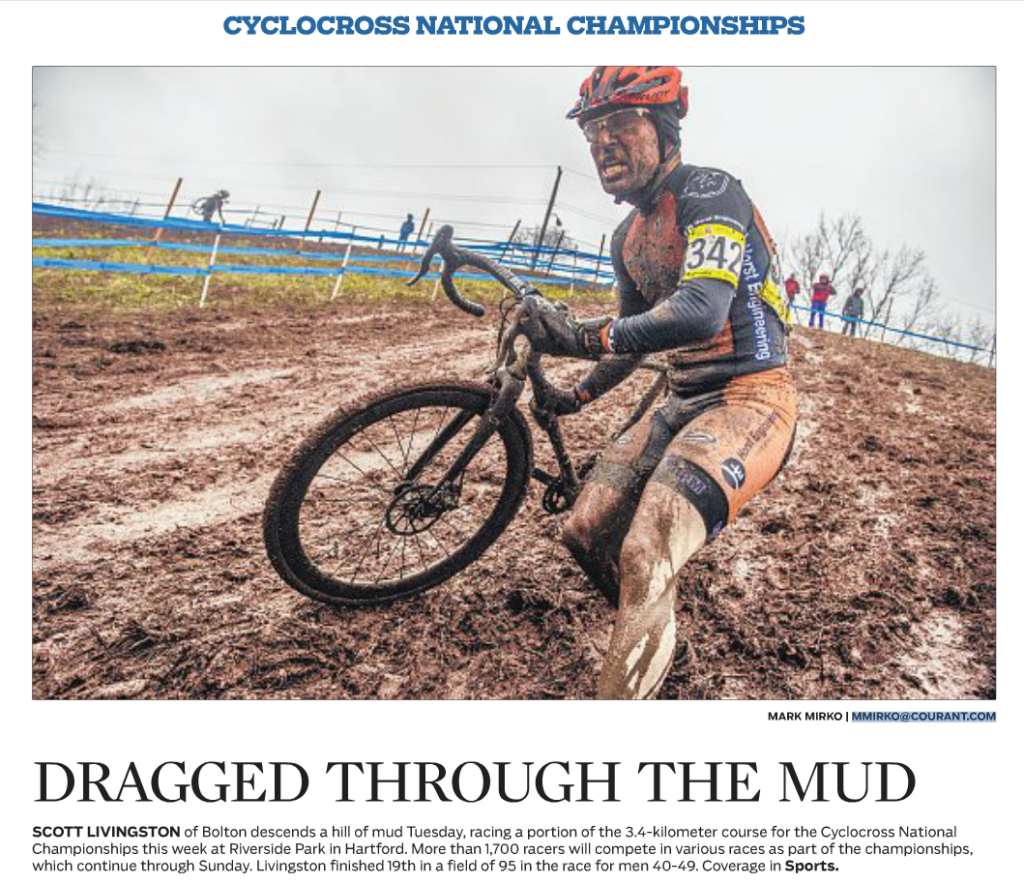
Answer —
718 449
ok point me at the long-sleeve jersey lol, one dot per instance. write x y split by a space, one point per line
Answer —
696 276
822 291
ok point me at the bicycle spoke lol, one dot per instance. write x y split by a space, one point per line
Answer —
401 567
387 561
412 437
398 441
366 551
430 531
356 468
419 550
383 455
352 533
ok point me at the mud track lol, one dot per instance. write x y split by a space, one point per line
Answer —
866 570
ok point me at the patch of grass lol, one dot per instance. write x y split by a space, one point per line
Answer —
122 291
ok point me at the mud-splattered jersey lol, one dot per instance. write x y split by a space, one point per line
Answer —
696 276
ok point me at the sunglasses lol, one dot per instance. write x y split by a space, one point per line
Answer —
615 124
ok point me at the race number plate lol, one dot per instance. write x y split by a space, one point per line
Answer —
714 251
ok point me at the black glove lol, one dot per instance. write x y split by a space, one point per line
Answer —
554 332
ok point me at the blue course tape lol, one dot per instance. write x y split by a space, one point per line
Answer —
898 331
50 243
167 270
114 267
89 215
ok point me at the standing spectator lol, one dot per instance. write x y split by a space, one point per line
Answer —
820 293
853 312
792 289
408 226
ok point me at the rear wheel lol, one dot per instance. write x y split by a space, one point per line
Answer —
358 515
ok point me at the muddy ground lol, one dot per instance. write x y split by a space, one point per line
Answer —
867 570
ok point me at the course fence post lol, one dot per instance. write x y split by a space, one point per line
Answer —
992 353
511 239
437 285
312 211
547 216
209 271
344 264
554 254
423 225
170 206
597 263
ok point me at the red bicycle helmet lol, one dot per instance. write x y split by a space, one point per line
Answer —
613 88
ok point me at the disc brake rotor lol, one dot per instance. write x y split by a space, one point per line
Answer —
417 507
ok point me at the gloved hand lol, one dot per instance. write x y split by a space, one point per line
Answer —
554 332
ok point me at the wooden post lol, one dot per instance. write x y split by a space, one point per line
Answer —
344 264
209 270
135 207
423 224
992 353
547 217
554 254
252 221
170 206
597 265
572 280
511 239
312 210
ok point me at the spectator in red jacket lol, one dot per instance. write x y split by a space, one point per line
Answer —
820 293
792 288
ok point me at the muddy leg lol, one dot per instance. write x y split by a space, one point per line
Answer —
602 514
594 534
666 531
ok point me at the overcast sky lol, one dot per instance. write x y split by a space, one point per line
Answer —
911 150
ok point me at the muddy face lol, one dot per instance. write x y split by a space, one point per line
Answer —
626 155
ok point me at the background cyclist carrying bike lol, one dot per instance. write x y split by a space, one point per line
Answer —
696 278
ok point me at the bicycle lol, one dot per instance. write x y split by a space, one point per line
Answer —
461 461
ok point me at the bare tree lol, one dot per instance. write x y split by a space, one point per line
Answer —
979 335
554 236
896 285
838 247
925 306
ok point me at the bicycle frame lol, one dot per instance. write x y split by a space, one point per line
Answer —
509 373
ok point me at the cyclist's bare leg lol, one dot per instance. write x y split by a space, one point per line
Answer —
604 510
666 531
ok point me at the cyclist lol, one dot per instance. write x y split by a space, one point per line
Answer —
213 205
696 278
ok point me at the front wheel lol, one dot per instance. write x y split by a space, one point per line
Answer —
360 514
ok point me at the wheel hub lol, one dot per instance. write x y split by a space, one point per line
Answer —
417 507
